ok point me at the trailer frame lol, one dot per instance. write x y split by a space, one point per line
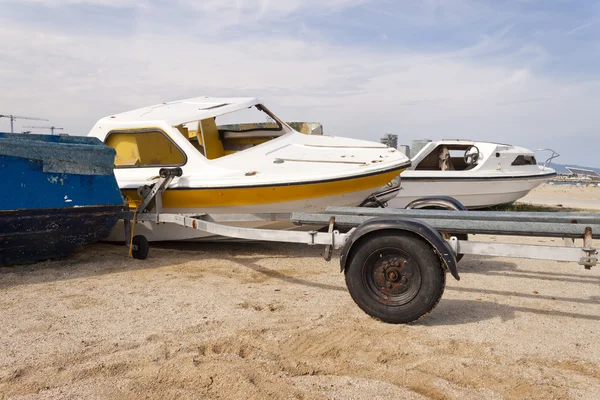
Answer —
387 253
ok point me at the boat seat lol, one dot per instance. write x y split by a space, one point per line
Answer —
196 143
192 137
126 147
445 159
213 146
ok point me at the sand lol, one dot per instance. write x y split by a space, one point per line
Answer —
567 196
253 320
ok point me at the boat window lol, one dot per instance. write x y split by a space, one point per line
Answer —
219 136
445 157
248 120
147 148
524 160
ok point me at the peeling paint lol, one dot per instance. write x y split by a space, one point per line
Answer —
86 155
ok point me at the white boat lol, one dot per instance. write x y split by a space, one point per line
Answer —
478 174
237 157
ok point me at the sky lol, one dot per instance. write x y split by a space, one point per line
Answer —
524 72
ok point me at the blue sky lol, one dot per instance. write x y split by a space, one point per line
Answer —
519 71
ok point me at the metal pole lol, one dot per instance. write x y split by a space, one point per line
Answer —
12 129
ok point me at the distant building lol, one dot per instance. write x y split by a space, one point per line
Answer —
404 149
417 145
390 140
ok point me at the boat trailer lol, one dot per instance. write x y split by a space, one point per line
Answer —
394 260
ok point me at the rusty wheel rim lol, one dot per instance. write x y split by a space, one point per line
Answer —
392 277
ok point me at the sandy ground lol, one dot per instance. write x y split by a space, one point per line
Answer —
566 195
275 321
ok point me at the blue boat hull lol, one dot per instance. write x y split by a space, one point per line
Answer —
58 193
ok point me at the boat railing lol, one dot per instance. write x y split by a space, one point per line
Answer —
549 160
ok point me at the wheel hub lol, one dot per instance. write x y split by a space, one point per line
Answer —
393 278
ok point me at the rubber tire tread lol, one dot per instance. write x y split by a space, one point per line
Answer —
143 247
433 278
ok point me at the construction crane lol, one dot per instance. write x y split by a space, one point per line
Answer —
52 128
13 117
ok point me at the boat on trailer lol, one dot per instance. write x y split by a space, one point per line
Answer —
59 193
237 157
478 174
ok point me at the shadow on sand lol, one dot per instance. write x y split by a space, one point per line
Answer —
102 259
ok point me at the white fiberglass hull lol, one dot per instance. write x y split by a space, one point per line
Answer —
472 192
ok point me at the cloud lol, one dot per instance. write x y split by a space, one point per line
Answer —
488 89
262 7
64 3
583 26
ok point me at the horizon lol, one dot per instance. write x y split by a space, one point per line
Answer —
514 71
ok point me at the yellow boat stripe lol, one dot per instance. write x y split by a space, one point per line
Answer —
224 197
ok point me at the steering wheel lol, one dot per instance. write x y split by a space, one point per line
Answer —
471 155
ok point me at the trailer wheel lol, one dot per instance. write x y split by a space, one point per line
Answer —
395 278
141 248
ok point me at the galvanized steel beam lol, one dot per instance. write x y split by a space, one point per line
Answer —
487 227
547 217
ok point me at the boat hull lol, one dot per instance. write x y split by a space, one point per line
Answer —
310 196
167 232
472 192
38 234
59 192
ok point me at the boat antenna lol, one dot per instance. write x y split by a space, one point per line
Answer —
13 117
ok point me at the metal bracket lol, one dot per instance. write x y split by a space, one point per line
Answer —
329 248
158 187
453 242
588 260
312 236
166 175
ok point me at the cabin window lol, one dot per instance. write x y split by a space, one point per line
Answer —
147 148
251 119
445 157
524 160
226 134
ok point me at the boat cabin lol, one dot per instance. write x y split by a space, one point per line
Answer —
467 155
214 129
444 156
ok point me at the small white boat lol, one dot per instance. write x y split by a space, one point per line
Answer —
478 174
237 157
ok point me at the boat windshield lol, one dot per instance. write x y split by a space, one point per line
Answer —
226 134
250 119
446 157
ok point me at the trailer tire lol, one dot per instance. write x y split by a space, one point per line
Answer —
141 249
395 277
